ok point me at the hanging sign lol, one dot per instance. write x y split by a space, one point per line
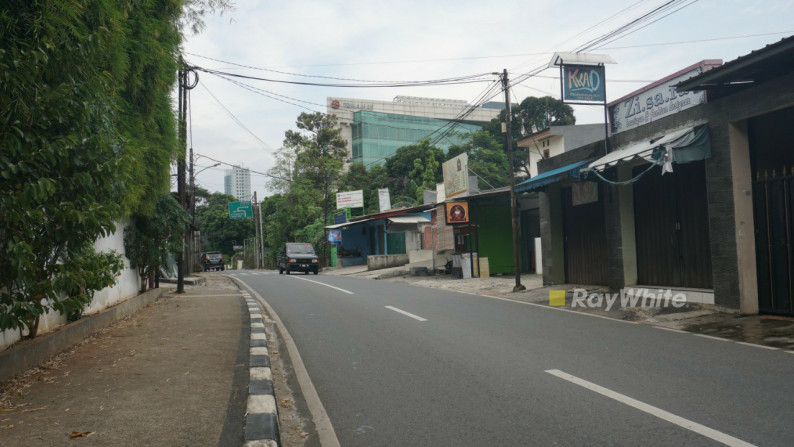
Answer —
335 236
457 212
584 192
583 83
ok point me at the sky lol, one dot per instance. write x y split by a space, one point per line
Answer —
407 40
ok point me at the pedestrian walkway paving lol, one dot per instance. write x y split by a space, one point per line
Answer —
174 373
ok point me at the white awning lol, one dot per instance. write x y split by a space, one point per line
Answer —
346 224
641 149
408 220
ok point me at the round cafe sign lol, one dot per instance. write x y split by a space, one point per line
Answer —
335 104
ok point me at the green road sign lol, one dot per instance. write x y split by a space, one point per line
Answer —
240 210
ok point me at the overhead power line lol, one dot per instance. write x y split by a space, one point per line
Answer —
468 79
247 169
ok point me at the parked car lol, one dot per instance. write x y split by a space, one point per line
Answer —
298 257
213 260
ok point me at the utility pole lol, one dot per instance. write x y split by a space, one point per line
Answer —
256 233
180 185
261 235
513 206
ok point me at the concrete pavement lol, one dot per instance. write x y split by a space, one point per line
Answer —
175 373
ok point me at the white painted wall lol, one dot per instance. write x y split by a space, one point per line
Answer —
126 287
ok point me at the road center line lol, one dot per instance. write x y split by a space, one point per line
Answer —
650 409
322 284
407 314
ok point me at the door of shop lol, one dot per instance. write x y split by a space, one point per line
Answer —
672 228
585 240
772 155
773 205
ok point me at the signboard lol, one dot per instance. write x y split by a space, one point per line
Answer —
651 104
240 210
457 212
340 216
584 192
440 196
583 83
237 247
456 176
335 236
350 199
384 200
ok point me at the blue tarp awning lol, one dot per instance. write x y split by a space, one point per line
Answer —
555 175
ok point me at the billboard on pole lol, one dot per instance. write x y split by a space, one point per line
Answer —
350 199
456 176
384 199
240 210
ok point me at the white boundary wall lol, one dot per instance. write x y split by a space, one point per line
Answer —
127 285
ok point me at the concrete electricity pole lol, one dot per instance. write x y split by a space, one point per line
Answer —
513 206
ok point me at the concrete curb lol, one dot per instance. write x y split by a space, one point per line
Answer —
26 355
261 419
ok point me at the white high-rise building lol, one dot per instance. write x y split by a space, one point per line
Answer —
237 183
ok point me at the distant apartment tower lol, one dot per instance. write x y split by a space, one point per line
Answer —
374 130
237 183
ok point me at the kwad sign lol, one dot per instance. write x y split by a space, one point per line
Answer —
628 298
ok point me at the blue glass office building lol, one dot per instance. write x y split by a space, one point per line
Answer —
377 136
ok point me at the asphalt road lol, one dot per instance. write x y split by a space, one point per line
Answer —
396 364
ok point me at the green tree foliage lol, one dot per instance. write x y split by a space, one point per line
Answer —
405 179
217 229
148 240
369 181
487 160
308 173
532 115
86 137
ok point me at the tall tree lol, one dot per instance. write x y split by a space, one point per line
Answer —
404 177
319 155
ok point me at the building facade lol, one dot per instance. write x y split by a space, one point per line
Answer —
374 130
237 183
698 199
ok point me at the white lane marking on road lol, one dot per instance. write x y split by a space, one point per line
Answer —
322 284
559 309
407 314
771 348
322 423
650 409
712 337
207 296
670 329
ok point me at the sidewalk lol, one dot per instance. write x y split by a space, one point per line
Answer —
765 330
173 374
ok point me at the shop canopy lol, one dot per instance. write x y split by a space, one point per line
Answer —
686 145
399 224
555 175
346 224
